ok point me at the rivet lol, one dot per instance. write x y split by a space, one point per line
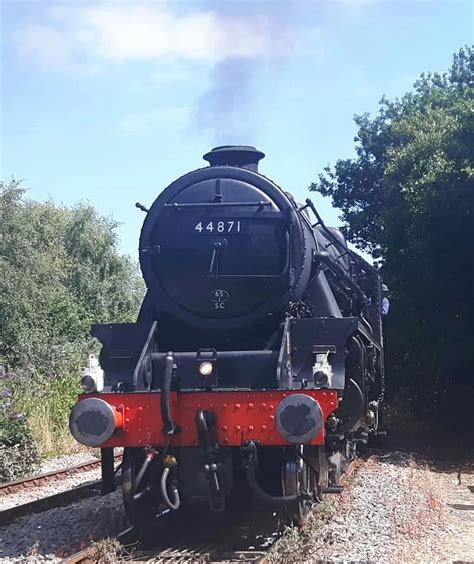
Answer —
224 406
272 417
331 403
271 395
251 428
127 420
140 408
324 394
224 427
211 406
272 406
250 405
139 430
127 409
226 440
238 428
237 406
264 427
264 405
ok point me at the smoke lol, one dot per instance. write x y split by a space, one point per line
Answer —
227 110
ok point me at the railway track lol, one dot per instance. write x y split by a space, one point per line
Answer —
59 499
41 479
200 536
235 537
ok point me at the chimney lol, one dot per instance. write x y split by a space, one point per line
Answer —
244 156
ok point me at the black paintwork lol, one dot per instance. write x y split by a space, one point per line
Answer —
239 274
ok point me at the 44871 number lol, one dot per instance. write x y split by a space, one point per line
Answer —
228 226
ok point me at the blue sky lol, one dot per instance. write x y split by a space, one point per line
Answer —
109 101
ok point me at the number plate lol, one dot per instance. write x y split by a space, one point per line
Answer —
212 226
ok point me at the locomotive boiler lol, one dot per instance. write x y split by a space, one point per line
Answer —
256 361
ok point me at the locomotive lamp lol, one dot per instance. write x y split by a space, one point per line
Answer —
92 376
205 368
322 369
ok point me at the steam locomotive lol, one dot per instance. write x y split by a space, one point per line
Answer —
256 361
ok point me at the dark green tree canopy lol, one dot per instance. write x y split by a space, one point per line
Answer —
408 198
61 272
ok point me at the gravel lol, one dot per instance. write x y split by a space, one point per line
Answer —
59 532
49 488
395 510
65 461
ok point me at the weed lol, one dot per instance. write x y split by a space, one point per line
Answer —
295 544
107 551
110 550
19 454
46 403
34 414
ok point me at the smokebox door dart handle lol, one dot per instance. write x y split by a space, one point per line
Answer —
214 257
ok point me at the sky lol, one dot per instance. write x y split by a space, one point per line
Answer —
109 101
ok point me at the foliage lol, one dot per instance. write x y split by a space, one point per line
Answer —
19 454
61 272
45 402
408 198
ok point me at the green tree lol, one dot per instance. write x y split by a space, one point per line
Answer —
60 272
408 198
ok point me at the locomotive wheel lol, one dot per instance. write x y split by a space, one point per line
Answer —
141 503
300 479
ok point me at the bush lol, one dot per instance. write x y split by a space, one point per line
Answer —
46 403
61 272
19 453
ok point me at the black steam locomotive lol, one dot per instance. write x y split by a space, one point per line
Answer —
257 356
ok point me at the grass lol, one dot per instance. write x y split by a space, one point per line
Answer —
109 551
45 403
294 542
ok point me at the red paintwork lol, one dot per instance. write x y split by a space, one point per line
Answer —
240 416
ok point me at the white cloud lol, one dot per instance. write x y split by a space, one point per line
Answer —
115 32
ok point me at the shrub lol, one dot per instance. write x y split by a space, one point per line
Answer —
46 402
61 272
19 453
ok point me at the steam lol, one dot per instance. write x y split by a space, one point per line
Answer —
227 109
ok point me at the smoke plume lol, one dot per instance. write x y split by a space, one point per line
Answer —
227 109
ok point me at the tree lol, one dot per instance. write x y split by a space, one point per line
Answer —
60 272
408 198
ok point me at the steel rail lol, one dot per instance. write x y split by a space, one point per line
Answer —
200 549
56 475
